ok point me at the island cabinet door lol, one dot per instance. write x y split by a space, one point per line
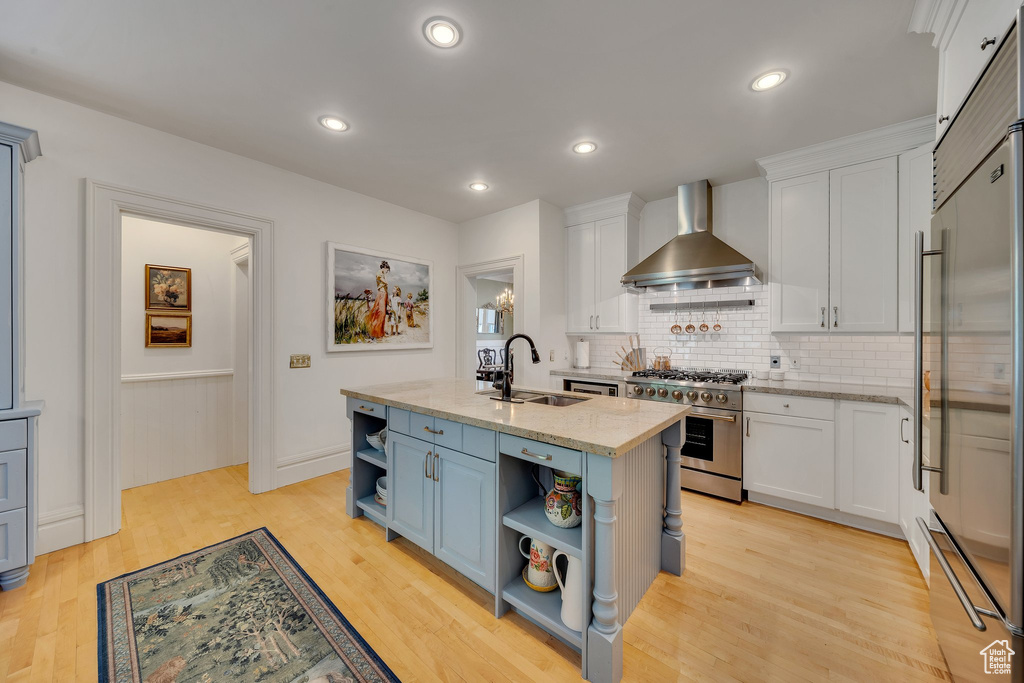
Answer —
411 490
464 516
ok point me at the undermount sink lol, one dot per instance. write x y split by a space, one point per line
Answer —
552 400
536 397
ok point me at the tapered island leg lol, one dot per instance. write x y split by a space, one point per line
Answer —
673 540
604 635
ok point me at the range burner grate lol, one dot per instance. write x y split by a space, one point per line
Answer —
695 375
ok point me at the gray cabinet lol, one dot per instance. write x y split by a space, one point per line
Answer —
18 513
411 489
464 513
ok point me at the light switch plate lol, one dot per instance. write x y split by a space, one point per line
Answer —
299 360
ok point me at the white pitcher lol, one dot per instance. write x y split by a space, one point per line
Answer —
572 594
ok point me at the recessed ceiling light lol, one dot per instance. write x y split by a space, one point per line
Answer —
442 32
479 187
333 123
584 147
768 81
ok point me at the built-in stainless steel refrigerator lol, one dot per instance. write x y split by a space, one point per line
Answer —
970 378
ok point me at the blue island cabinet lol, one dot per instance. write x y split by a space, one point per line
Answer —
441 489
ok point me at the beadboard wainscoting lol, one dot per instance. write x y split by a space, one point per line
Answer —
176 424
746 342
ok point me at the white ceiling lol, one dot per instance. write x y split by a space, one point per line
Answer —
661 85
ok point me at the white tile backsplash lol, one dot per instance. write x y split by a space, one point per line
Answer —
745 342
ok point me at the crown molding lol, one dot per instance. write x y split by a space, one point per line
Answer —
26 139
938 17
629 204
853 149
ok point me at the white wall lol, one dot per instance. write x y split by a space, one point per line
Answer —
311 432
533 230
208 254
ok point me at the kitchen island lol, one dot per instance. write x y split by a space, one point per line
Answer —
462 473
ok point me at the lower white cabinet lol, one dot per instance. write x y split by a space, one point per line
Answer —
867 458
913 503
789 457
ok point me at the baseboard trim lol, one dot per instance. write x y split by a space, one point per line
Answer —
61 528
302 466
836 516
164 376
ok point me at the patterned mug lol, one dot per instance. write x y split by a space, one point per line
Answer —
539 575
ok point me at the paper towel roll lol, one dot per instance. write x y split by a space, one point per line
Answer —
582 354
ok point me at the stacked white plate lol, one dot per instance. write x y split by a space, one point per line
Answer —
381 496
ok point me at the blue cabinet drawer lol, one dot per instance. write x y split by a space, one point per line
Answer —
545 454
13 434
13 480
13 539
448 434
482 443
398 421
370 408
421 426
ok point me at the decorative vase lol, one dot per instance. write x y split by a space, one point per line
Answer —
564 504
572 596
538 573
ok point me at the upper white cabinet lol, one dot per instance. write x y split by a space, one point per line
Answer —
799 253
915 215
967 33
867 460
862 247
834 232
602 243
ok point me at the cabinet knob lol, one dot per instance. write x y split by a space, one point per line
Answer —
785 405
985 42
943 119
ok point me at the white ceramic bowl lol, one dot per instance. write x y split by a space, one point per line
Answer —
382 487
378 439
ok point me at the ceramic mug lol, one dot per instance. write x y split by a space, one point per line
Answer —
539 575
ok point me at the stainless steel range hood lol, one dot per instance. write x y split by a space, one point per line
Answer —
693 259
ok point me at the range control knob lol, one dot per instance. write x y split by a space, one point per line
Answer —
677 395
722 398
705 396
650 391
692 395
663 392
638 390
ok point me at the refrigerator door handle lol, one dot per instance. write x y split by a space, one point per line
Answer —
961 594
919 256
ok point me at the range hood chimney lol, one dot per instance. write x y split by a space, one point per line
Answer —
694 258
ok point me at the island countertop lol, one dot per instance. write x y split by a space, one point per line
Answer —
603 425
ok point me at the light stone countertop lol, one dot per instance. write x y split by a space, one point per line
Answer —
610 374
868 393
603 425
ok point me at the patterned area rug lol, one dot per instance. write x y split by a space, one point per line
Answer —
240 610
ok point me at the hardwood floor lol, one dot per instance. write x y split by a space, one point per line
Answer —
767 595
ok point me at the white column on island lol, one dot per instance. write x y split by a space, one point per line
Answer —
604 635
673 540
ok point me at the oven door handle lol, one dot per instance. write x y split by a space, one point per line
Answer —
720 418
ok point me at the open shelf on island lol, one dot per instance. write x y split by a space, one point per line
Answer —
530 519
373 509
374 457
543 608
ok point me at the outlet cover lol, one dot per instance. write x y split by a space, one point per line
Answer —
299 360
794 363
551 355
776 361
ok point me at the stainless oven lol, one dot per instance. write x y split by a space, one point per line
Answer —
714 446
599 388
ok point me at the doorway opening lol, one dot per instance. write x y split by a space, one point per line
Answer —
491 310
184 362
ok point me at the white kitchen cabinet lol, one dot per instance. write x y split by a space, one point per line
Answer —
599 251
867 460
789 457
913 503
965 48
863 247
915 214
799 253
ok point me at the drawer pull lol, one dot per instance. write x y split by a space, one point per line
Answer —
428 429
943 119
785 405
369 410
748 426
985 42
539 456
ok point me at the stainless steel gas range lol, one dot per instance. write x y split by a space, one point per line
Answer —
713 452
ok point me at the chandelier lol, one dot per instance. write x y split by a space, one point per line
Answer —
506 301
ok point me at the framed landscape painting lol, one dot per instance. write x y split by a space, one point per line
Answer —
168 288
168 331
377 301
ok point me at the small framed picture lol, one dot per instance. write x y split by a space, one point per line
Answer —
168 288
168 331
